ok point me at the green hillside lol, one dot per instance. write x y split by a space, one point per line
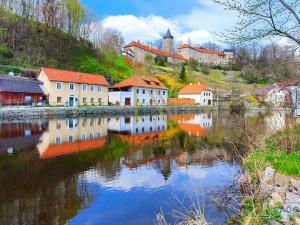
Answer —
30 44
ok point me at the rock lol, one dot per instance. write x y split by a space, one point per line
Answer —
281 190
276 199
275 223
266 189
297 221
268 176
295 184
281 180
293 202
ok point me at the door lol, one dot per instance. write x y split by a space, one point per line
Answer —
151 101
127 101
209 102
71 101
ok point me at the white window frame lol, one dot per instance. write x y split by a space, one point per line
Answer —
99 88
92 88
71 84
61 86
58 140
84 87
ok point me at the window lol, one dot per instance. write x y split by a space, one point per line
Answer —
83 136
92 100
143 101
158 101
84 100
164 92
100 101
84 87
99 89
127 120
71 138
136 130
58 100
58 140
151 92
72 87
99 134
91 136
58 86
143 129
158 92
144 91
58 126
137 91
92 87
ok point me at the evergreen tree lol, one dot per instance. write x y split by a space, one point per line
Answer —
182 75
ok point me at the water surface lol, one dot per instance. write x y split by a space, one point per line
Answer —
122 170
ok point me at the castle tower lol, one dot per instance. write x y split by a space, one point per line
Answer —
168 42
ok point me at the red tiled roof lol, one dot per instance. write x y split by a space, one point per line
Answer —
154 51
73 76
194 89
71 148
141 81
203 50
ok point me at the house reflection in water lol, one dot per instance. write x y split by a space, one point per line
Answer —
17 135
70 136
139 129
194 124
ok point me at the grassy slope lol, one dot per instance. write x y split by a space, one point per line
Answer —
281 151
217 80
31 44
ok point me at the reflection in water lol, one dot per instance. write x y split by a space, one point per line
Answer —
119 170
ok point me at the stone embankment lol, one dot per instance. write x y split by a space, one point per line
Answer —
53 112
284 191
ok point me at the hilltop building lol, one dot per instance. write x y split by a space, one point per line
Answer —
138 90
71 88
185 52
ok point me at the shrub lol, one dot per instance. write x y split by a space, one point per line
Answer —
161 60
205 69
238 107
194 64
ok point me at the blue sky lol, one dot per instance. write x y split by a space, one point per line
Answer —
165 8
148 20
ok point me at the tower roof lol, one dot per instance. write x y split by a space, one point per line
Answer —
168 34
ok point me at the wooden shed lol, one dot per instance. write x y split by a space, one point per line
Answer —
16 90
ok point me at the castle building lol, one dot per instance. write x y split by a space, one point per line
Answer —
140 52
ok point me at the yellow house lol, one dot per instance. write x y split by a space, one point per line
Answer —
71 88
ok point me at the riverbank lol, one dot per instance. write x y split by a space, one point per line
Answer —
272 180
64 112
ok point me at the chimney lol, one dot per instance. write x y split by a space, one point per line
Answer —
191 84
198 83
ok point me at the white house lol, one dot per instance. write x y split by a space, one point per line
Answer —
278 95
201 93
138 90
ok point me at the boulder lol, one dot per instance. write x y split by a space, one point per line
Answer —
295 184
293 202
281 180
276 199
268 176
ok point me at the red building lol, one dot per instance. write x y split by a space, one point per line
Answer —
16 90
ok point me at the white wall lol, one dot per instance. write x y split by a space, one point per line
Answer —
158 96
201 99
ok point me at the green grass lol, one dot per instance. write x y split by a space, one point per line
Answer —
281 151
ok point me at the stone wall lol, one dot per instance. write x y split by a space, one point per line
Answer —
48 112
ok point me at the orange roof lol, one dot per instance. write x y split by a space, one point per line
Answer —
181 118
154 51
203 50
71 148
146 138
193 129
141 81
73 76
194 89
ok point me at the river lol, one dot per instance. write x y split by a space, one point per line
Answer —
124 170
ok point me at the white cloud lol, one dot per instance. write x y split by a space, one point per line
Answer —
198 25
